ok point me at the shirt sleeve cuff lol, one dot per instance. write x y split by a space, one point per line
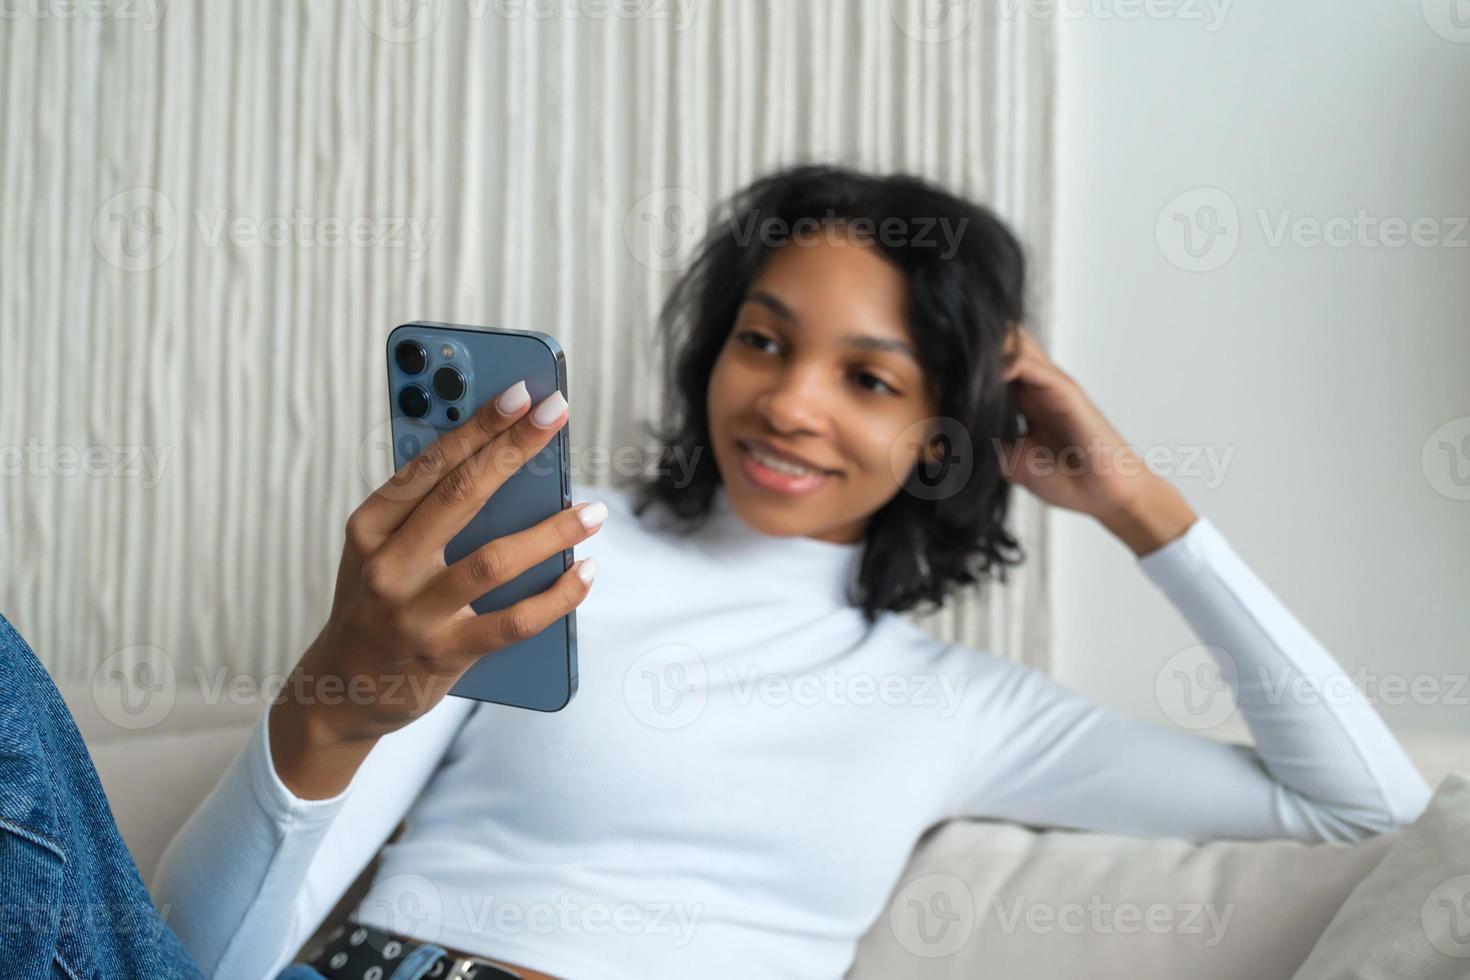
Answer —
1179 560
284 806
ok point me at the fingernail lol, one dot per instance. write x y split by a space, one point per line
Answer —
513 399
549 410
592 514
586 568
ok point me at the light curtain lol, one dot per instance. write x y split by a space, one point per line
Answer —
211 214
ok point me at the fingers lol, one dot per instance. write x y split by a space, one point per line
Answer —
388 506
1030 365
501 560
460 494
471 637
1011 345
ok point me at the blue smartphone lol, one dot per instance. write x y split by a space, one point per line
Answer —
438 375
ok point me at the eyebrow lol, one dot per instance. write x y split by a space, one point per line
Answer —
860 341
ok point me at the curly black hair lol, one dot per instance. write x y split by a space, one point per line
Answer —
963 302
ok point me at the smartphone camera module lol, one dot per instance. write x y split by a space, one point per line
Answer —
411 357
413 401
449 384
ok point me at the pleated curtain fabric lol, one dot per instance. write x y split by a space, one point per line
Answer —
211 214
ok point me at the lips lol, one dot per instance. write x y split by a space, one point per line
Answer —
785 456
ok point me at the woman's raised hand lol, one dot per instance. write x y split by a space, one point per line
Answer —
1072 457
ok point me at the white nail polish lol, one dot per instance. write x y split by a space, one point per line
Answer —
592 514
549 410
586 568
513 398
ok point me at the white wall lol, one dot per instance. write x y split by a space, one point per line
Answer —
1324 369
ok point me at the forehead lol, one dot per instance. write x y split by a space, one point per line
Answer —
837 282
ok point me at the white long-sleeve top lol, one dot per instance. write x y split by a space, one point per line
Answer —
739 782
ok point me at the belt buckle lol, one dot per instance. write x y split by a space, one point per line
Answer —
462 965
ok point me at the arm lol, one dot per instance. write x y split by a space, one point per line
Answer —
1324 765
254 870
361 723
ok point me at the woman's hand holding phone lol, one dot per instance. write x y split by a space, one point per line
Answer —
401 631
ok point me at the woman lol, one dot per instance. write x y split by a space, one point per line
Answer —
759 739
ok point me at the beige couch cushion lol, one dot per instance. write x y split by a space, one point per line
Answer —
987 899
1410 917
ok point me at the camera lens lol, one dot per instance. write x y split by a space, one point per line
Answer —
413 401
411 357
449 384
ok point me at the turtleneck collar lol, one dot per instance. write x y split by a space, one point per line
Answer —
802 561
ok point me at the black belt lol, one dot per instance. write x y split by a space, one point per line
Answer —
359 952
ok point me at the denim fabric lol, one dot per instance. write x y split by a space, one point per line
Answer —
72 903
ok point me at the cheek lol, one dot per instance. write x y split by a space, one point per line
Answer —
729 388
890 443
717 398
878 444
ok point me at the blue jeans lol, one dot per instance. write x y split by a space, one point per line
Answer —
72 903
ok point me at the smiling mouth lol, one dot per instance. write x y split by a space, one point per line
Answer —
780 464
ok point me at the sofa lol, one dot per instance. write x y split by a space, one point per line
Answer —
978 898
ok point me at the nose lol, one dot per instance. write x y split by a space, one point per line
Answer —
794 403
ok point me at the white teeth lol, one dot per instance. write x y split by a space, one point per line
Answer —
777 464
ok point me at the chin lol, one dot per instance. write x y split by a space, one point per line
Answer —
769 513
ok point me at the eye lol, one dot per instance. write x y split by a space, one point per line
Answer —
753 339
883 387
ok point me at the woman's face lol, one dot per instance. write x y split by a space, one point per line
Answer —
820 370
